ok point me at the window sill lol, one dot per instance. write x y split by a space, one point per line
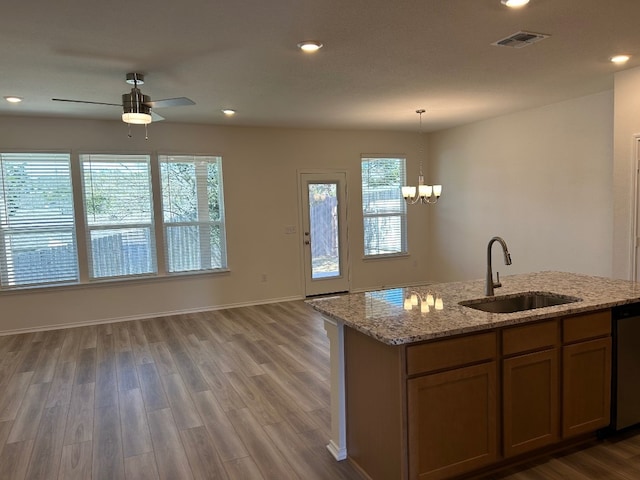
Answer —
120 281
387 256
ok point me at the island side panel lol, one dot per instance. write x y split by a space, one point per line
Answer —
375 400
338 442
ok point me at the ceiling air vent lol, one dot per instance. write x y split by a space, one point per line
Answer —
520 39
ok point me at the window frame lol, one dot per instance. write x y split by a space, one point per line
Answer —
81 228
202 210
45 225
89 228
401 212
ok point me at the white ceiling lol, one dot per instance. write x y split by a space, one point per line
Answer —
382 59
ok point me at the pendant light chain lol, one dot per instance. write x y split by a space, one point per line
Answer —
420 112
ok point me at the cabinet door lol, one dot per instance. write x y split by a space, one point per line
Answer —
452 421
531 401
586 386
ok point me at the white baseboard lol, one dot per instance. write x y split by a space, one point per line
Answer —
337 452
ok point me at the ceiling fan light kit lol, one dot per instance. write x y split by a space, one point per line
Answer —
135 105
137 118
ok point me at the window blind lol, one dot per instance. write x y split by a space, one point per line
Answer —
119 215
383 208
37 226
193 212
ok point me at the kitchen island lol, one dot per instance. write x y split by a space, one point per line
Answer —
423 387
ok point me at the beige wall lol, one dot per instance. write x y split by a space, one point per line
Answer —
627 129
260 168
542 179
546 179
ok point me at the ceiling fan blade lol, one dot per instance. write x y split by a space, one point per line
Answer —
155 117
170 102
84 101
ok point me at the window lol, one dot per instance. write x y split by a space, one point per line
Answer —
119 215
37 227
40 243
193 212
383 208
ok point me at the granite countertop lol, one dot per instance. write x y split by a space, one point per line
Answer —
381 313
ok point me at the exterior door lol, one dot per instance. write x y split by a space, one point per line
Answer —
324 220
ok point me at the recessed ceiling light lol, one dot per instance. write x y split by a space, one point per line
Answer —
228 112
310 46
12 99
514 3
620 58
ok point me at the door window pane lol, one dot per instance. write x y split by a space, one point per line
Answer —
323 219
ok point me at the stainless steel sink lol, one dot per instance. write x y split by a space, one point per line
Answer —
518 302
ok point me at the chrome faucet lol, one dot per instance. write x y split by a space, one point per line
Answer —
490 285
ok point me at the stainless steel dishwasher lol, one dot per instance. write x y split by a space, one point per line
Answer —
625 401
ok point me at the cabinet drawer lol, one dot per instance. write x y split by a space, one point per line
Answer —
527 338
583 327
455 352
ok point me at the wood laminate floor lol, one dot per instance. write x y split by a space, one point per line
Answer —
615 458
232 394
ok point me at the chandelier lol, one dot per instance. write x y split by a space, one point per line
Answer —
423 193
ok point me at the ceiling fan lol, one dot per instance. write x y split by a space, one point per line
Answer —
136 107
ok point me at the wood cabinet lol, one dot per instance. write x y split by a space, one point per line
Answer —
443 408
452 414
586 373
538 391
530 387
